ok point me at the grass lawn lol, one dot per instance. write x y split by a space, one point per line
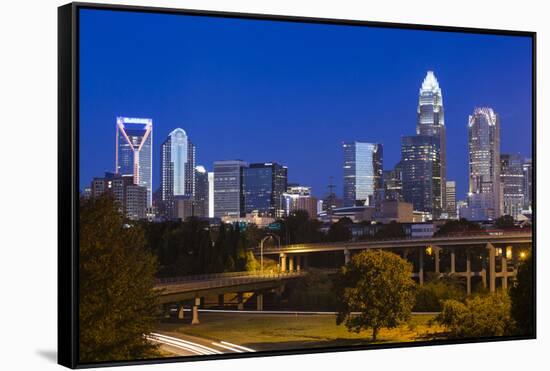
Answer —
276 332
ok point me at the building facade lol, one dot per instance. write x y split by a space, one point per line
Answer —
484 193
420 168
130 198
450 200
528 184
300 198
393 183
177 170
512 180
228 188
362 173
134 151
431 121
263 188
201 192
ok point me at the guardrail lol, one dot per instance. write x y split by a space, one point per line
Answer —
227 277
450 236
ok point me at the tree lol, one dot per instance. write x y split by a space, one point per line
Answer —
505 222
457 226
118 304
432 294
391 230
340 231
479 316
521 295
377 284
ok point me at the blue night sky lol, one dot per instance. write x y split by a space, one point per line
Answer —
290 92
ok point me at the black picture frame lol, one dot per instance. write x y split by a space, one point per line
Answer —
68 175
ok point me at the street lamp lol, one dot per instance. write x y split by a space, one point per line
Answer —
262 249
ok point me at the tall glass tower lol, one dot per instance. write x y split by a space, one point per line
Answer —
420 173
484 197
263 188
177 169
513 182
228 188
134 151
431 121
362 172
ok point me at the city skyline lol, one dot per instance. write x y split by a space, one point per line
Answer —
320 125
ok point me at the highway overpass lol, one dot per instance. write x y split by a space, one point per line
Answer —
508 247
177 290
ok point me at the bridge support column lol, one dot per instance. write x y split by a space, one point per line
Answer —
468 274
196 304
282 262
221 300
483 275
421 266
347 256
504 264
492 273
298 263
240 302
290 263
260 302
453 261
181 312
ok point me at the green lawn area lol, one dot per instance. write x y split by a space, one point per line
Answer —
277 332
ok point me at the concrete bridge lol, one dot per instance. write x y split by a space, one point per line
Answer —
481 248
178 290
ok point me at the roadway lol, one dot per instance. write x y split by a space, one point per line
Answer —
454 240
187 345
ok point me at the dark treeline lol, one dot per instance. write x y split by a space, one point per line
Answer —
193 247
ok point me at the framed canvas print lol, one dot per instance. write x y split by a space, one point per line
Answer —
237 185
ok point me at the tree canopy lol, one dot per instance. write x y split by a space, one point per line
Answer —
117 303
521 295
478 316
378 285
457 226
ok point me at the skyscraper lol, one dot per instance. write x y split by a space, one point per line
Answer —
420 173
528 184
484 197
177 169
201 192
431 121
134 151
228 188
263 188
450 199
362 172
511 177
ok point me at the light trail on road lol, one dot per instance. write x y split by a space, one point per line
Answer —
196 348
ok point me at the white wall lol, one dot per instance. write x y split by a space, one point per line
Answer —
28 58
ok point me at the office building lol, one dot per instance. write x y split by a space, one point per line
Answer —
420 173
484 194
201 192
177 170
431 121
450 200
528 184
362 173
130 198
263 188
393 183
512 180
300 198
228 188
134 151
